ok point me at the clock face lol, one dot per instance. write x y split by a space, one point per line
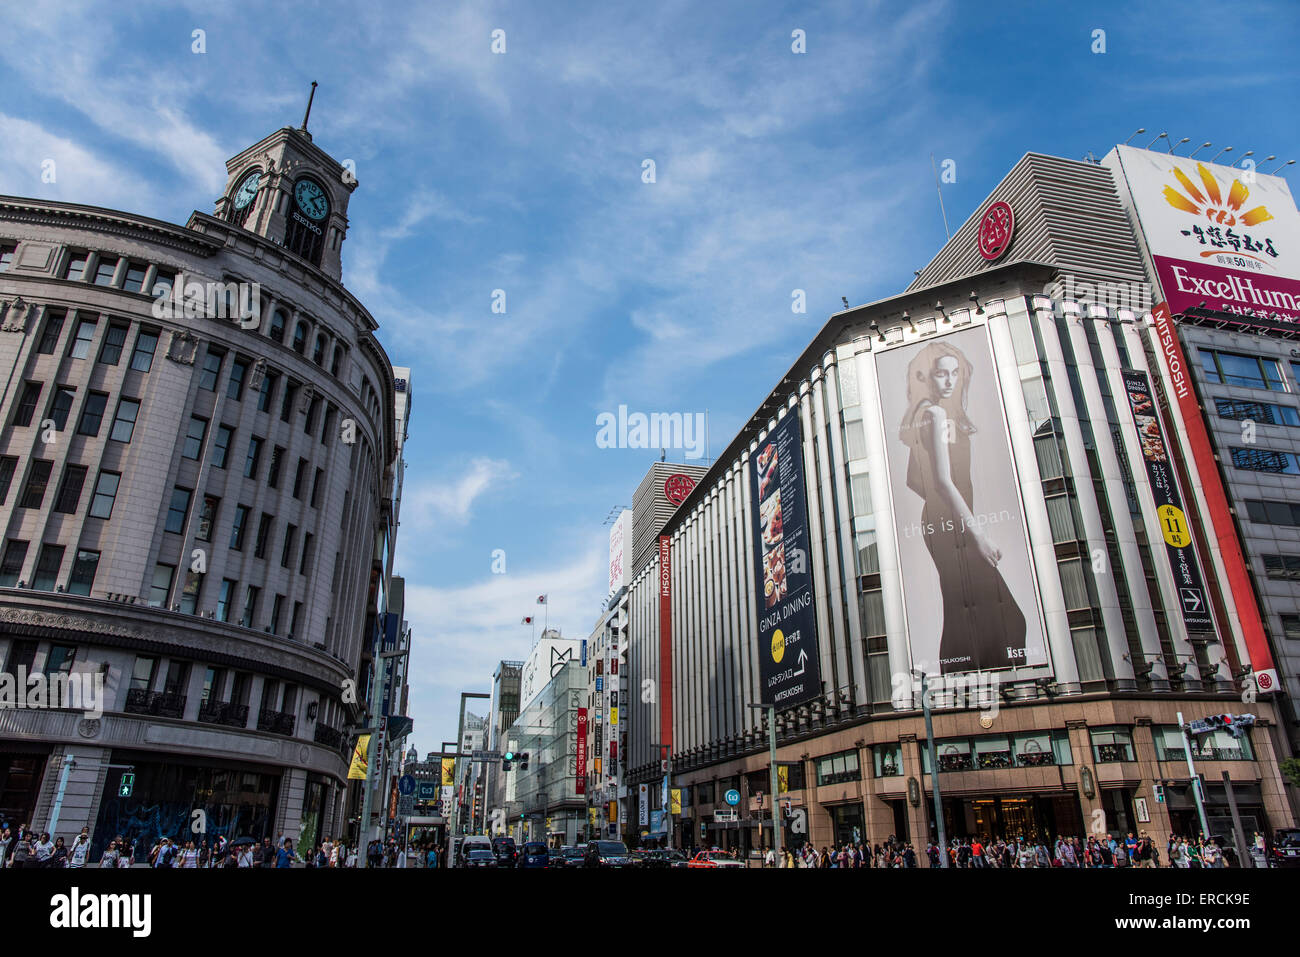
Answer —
311 199
247 191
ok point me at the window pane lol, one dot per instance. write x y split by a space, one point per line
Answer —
194 437
92 414
101 504
54 320
221 446
81 343
180 505
37 479
47 567
82 579
145 345
134 279
74 477
104 270
161 587
124 421
11 566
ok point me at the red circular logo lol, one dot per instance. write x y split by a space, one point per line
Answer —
1265 682
677 487
995 230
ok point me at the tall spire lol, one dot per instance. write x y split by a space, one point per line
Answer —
309 99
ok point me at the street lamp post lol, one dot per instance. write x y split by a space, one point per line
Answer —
934 769
773 782
378 678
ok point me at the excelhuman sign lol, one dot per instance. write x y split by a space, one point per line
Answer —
1225 236
787 623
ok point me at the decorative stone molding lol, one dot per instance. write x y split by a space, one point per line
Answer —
257 375
17 313
89 727
182 347
71 622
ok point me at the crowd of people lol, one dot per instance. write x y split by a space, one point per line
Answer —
972 852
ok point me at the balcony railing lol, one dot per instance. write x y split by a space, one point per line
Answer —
1111 753
157 703
224 712
330 737
1035 759
276 722
995 759
1204 754
956 762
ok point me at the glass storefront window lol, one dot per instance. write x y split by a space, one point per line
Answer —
993 753
887 760
1112 744
838 768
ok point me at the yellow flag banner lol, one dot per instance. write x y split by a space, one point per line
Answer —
783 778
448 772
676 803
360 754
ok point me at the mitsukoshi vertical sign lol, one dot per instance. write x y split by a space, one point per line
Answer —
787 624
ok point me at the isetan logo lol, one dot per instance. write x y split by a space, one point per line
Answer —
74 910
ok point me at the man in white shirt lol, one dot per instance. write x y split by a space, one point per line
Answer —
80 849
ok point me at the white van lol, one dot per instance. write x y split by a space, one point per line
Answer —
472 842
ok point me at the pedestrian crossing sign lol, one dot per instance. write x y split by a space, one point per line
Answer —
128 784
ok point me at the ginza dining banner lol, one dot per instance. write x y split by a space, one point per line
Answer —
968 582
787 622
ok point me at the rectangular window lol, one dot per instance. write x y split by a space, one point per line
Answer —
286 553
266 393
298 478
1262 413
177 510
111 351
237 529
277 608
860 486
8 465
223 600
238 372
286 404
124 420
163 281
92 414
27 404
74 478
54 319
264 526
146 343
161 587
101 503
194 436
76 266
190 593
61 405
221 447
1273 513
47 567
254 456
1291 627
207 518
133 281
60 659
7 255
37 479
211 369
296 620
11 566
143 673
1265 460
838 768
317 485
272 474
307 541
1231 368
81 342
1282 567
250 606
178 677
1111 744
327 426
309 423
104 270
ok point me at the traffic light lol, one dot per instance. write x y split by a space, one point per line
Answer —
506 759
128 784
523 761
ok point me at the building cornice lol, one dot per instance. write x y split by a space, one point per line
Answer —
42 212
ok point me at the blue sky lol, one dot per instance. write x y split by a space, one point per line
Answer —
522 171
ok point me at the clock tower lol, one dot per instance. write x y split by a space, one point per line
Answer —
290 191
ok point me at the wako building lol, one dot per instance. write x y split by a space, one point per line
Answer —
196 438
978 479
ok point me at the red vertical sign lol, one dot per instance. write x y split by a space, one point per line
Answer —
665 643
582 751
1198 440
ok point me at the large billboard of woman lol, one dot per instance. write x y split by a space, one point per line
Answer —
967 580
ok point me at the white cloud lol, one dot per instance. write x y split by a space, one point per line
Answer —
426 504
80 176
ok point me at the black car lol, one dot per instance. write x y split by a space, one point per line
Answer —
1285 851
505 851
480 858
663 858
607 854
569 856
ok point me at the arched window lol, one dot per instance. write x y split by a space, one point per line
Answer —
338 360
300 338
318 356
278 321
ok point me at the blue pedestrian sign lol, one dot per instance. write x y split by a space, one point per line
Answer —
732 797
406 785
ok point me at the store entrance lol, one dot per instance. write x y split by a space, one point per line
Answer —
1034 817
20 782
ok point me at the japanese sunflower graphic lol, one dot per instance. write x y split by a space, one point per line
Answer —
1211 201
